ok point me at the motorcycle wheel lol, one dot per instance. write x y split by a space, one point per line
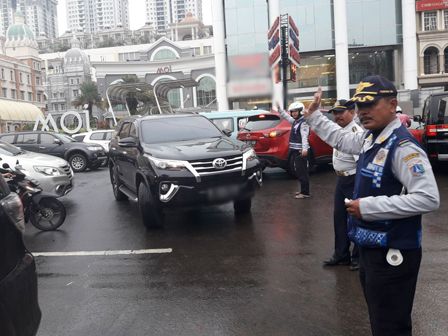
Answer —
48 215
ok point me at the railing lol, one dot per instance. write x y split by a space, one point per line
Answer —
431 69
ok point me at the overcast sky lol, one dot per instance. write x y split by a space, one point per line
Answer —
137 14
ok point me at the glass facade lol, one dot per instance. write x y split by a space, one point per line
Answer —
368 63
315 70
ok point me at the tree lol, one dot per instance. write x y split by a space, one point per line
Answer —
89 95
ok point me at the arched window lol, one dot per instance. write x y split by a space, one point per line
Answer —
173 95
206 91
164 54
431 60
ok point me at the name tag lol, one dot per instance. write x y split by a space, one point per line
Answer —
375 168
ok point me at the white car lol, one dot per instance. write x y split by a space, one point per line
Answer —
53 174
101 137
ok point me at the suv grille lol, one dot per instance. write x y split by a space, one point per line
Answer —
67 170
205 167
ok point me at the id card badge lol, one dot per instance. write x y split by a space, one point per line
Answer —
394 257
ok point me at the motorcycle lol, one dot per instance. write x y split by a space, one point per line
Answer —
41 208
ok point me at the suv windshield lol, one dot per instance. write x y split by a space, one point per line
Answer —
262 122
64 138
7 149
178 129
438 110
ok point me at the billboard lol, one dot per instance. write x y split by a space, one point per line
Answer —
274 44
294 54
429 5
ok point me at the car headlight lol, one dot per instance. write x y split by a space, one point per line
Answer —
95 148
49 171
32 189
167 164
249 155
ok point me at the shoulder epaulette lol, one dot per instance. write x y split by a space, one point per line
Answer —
402 142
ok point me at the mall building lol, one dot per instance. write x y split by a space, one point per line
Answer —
341 42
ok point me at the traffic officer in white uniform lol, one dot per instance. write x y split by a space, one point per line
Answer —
394 186
345 167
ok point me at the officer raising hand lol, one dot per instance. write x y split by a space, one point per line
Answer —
394 186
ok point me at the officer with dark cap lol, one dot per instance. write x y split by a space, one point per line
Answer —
345 168
394 186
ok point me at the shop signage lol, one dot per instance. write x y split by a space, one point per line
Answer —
428 5
274 43
49 120
164 70
294 54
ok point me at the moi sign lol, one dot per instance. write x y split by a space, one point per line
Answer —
49 120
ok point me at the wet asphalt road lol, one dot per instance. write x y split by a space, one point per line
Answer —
258 274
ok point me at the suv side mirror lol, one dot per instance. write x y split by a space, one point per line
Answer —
57 141
418 118
127 142
227 132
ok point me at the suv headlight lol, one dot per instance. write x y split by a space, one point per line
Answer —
95 148
249 155
167 164
48 171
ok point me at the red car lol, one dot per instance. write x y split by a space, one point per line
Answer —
268 134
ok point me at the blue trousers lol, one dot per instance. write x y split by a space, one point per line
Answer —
344 189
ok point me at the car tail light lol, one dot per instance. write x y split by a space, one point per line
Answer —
431 130
14 210
261 116
272 134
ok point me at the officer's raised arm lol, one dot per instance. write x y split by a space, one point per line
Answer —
328 131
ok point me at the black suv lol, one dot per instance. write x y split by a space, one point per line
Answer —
165 161
19 308
435 117
79 155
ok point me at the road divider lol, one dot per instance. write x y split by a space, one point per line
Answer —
101 253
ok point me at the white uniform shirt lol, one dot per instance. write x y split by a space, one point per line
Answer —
344 161
422 194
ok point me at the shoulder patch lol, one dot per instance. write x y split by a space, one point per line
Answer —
411 156
416 168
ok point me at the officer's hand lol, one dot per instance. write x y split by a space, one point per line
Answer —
7 175
315 103
277 104
353 209
304 153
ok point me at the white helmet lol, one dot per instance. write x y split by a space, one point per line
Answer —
296 106
398 109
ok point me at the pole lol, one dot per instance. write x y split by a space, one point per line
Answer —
285 62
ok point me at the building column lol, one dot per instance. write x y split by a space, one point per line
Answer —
409 45
441 62
341 41
220 55
177 34
277 89
422 65
192 33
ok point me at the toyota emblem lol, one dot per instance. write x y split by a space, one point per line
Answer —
248 135
219 163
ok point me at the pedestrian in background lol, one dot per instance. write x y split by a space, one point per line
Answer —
345 167
298 145
394 186
404 118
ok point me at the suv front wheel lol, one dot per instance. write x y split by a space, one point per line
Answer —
152 216
78 162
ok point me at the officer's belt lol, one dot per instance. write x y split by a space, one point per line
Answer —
343 173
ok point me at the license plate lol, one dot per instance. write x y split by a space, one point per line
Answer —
252 143
223 192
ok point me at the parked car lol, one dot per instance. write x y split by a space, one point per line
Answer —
79 155
53 174
169 161
435 118
20 314
234 121
269 133
101 137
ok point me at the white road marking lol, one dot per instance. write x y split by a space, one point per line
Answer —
101 253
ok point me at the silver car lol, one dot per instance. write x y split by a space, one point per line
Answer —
54 174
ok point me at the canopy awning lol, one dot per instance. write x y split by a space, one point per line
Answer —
163 88
16 111
120 91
